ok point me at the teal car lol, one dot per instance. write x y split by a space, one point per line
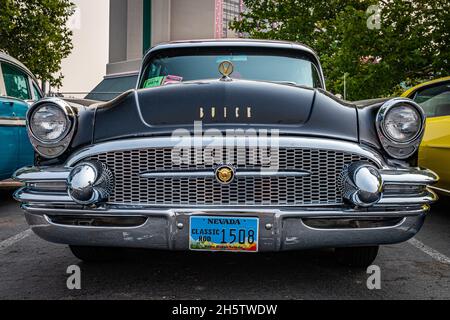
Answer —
18 89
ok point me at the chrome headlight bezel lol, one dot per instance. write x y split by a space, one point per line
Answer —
394 147
52 148
64 133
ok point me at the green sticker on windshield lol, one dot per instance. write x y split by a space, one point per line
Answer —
153 82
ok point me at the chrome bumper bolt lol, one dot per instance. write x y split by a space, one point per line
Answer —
180 225
269 226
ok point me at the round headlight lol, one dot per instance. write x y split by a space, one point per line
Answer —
49 123
402 123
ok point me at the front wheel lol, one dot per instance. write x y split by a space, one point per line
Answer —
359 257
96 254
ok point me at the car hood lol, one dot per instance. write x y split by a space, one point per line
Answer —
223 105
239 102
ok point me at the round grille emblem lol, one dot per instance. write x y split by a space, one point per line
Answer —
225 174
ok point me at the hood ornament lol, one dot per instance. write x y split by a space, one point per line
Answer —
226 68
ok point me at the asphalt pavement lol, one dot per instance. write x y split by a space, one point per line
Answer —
31 268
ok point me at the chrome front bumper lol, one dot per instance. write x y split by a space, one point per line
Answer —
169 229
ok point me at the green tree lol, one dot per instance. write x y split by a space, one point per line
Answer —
36 33
409 43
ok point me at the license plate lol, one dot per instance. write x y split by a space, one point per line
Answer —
224 234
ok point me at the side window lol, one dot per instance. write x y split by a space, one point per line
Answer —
36 92
435 100
16 82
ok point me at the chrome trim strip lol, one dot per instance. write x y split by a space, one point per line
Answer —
42 174
26 195
273 173
414 176
426 198
177 174
345 229
47 218
138 108
185 142
211 174
444 191
12 122
299 212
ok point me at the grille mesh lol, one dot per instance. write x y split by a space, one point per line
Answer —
319 188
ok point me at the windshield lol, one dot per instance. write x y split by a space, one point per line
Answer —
272 66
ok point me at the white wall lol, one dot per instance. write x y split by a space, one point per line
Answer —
171 20
161 21
134 29
86 65
192 19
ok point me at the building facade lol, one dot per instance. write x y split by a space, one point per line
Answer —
84 68
231 10
137 25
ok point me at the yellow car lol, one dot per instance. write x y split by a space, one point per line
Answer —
434 153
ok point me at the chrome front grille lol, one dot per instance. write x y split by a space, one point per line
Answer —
320 188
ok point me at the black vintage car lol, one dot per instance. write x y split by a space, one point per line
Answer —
227 146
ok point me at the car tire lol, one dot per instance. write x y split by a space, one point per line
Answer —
96 254
357 257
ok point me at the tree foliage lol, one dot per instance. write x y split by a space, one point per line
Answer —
379 45
36 33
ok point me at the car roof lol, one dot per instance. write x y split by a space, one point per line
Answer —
7 58
232 42
412 90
